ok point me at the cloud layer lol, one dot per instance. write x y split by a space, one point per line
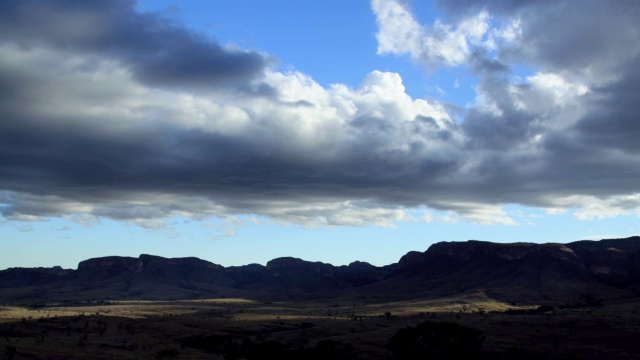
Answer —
109 112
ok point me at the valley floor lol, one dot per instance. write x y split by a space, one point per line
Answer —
357 328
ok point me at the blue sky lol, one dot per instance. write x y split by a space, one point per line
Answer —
311 38
332 131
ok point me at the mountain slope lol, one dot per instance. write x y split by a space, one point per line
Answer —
516 272
520 272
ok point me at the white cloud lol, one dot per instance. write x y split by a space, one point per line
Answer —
592 208
398 31
552 90
150 224
400 34
506 36
481 214
450 218
586 207
488 216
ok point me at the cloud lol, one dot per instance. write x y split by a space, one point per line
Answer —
482 214
138 153
427 217
399 33
568 128
155 50
139 119
450 218
611 207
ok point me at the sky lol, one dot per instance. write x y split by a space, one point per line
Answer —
242 131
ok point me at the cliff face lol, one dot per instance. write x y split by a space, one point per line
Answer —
107 267
520 272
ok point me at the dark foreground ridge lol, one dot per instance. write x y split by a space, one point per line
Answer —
582 271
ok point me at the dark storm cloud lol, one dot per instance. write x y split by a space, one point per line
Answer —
486 66
103 115
504 129
563 35
158 51
593 43
615 120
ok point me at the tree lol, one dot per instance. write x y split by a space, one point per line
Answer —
432 340
11 352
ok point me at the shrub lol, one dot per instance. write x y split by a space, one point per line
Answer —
436 340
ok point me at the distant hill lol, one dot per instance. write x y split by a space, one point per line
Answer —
517 272
20 277
582 271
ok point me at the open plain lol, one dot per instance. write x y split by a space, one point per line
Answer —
227 328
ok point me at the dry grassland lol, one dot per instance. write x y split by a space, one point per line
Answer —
161 329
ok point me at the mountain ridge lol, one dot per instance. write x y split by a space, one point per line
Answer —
520 272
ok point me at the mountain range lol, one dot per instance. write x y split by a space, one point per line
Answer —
553 273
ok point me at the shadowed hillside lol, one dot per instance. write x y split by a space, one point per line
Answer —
518 272
521 272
